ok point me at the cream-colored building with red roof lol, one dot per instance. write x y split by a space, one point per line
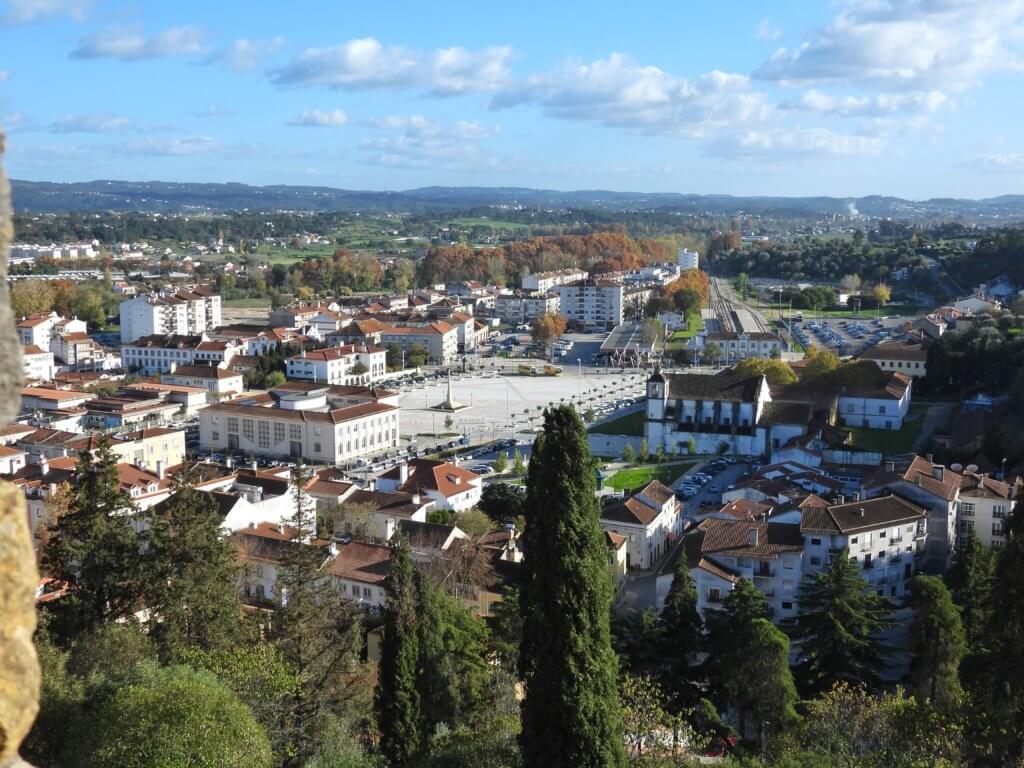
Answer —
447 485
650 519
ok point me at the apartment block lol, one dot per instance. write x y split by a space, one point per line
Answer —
594 305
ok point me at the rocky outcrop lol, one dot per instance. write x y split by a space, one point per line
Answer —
19 667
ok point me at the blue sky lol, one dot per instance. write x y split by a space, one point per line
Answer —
917 98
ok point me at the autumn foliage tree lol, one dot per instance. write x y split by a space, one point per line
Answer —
691 280
548 328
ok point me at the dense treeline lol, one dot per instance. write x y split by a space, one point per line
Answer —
508 263
1001 253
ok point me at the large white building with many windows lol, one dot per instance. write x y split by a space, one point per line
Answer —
348 365
304 424
986 505
186 312
595 305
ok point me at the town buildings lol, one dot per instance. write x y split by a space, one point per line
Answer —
543 282
592 304
648 519
184 313
347 365
909 357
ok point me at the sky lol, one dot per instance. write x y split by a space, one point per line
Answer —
915 98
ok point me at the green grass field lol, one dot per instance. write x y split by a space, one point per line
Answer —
635 477
630 424
254 303
891 441
507 226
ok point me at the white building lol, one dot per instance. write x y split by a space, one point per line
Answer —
648 519
215 379
156 354
985 507
300 424
595 305
191 312
337 365
545 281
687 259
740 346
440 339
38 363
882 407
448 486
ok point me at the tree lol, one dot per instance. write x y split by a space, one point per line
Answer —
548 327
850 283
691 447
474 522
31 296
659 453
358 369
687 301
682 633
518 464
417 355
642 712
394 357
743 284
712 352
176 716
776 371
628 454
571 715
821 364
316 631
651 330
502 502
937 644
398 700
274 379
970 583
95 546
507 629
729 632
500 462
882 293
838 627
760 684
192 570
645 453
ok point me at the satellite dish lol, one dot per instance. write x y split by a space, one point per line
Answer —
957 467
972 467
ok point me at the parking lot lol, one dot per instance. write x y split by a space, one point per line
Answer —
846 336
719 475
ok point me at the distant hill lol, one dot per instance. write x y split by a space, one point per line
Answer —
162 196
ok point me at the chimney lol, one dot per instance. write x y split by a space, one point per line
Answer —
856 496
753 537
229 462
929 458
840 498
403 473
332 547
160 470
172 367
860 511
917 479
254 466
44 466
890 466
938 471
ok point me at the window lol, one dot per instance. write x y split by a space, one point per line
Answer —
215 436
816 542
967 508
233 424
278 433
787 606
815 561
247 429
316 448
264 434
998 510
714 593
997 528
853 540
881 409
294 432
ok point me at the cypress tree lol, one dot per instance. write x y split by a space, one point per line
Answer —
729 632
397 701
838 626
316 631
95 546
759 683
681 633
191 574
936 643
571 717
970 582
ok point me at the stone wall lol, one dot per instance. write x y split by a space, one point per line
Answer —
19 668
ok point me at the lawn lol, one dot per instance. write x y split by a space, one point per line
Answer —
891 441
251 303
678 339
630 424
635 477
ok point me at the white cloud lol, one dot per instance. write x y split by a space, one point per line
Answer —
91 122
1006 162
25 11
617 91
133 46
876 105
366 63
16 121
767 30
775 143
5 75
320 118
177 147
907 44
245 55
418 141
215 110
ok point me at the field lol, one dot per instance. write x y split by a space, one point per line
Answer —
891 441
251 303
635 477
506 226
630 424
679 338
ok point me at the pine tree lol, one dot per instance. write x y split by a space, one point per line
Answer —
729 631
970 583
937 643
191 574
397 701
838 627
681 633
571 717
518 464
759 683
316 630
94 545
